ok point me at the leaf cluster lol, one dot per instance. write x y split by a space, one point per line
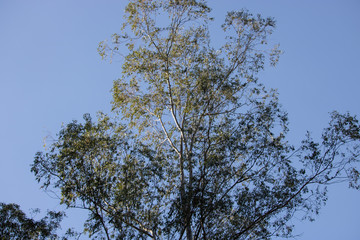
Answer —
14 224
200 149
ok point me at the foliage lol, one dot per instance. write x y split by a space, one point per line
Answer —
15 225
99 168
200 149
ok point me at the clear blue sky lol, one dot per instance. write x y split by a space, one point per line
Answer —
50 73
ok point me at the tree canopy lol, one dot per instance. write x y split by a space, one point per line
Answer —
14 224
197 148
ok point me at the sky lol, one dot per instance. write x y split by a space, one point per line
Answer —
51 73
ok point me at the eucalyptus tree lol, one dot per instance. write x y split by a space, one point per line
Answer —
14 224
199 149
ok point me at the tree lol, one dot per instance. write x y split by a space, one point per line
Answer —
198 150
15 225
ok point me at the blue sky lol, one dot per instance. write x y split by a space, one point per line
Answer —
50 73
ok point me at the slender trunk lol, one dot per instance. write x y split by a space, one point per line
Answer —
189 232
188 202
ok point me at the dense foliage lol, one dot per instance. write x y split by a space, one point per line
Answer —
198 148
15 225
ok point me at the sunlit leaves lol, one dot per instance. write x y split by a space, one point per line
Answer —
199 151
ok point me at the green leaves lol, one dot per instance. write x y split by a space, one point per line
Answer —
101 168
14 224
199 151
